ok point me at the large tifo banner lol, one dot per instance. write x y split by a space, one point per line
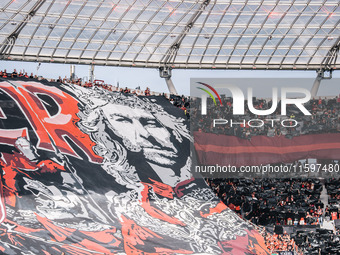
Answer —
88 171
265 128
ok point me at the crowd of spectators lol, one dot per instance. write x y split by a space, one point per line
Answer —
304 241
15 74
333 191
77 81
318 241
325 118
272 201
325 112
287 203
181 102
279 242
265 202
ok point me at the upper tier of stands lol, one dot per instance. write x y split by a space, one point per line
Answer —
324 119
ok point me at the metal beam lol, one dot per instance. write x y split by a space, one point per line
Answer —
328 64
142 64
170 56
91 73
72 72
316 86
7 46
171 86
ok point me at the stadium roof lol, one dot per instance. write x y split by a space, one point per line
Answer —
240 34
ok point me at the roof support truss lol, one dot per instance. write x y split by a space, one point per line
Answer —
7 46
170 56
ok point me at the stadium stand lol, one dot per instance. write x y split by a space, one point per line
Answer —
324 119
272 201
293 204
261 202
92 168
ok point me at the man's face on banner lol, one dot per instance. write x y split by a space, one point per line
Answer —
141 132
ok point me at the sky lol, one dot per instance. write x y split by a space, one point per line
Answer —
263 87
132 77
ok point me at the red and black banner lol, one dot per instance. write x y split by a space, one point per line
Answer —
88 171
215 149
